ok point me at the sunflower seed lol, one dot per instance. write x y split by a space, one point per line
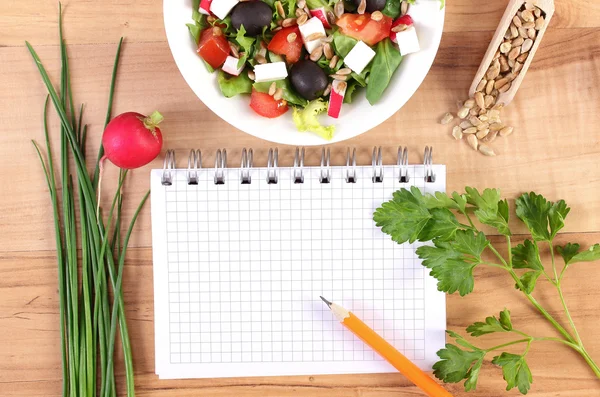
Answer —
327 90
474 111
521 58
511 63
260 59
506 131
377 16
251 75
344 71
491 137
469 131
531 33
508 34
301 3
539 23
314 36
489 101
448 117
482 133
465 124
333 62
480 100
277 29
272 88
483 117
299 12
489 87
483 126
518 42
493 71
328 51
529 6
486 150
505 47
514 32
505 87
289 22
527 16
399 28
316 54
234 50
362 6
529 25
331 17
302 19
262 52
523 32
504 65
457 133
469 103
338 10
475 121
472 141
496 127
493 113
517 21
340 77
280 9
278 95
526 46
500 83
292 37
517 68
210 19
537 12
327 39
217 31
514 53
463 113
404 8
481 85
498 106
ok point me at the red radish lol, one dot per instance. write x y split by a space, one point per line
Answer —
322 15
336 98
132 140
404 20
205 7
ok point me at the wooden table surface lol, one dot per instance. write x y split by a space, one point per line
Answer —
555 150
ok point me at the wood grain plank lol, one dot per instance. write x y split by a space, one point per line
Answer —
98 22
553 150
30 361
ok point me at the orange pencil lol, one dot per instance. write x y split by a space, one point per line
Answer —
387 351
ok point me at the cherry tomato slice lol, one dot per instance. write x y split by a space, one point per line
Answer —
362 27
281 45
266 106
213 47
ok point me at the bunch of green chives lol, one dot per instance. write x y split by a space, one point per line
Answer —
89 313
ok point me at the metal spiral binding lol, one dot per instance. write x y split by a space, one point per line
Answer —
298 174
272 166
247 161
168 167
194 164
220 165
428 163
403 164
351 178
325 174
377 165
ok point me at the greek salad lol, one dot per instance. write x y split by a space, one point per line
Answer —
309 55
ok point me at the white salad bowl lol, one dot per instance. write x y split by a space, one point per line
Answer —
355 118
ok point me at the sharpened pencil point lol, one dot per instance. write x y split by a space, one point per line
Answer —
326 301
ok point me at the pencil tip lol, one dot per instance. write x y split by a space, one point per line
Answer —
326 301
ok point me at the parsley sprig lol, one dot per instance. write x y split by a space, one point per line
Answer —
458 247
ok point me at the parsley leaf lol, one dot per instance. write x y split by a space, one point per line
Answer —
515 371
556 216
528 280
527 256
490 209
452 262
491 325
589 255
568 251
411 216
457 364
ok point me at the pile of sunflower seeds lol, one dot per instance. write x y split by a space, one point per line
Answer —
480 115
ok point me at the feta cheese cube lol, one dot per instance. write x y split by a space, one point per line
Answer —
221 8
231 66
204 7
312 26
270 72
359 57
408 42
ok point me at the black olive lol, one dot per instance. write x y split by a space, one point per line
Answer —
254 15
308 79
373 5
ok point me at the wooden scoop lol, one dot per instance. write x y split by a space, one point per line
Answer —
547 7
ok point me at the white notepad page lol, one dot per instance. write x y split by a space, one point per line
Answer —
238 270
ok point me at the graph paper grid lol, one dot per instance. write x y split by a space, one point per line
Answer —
238 270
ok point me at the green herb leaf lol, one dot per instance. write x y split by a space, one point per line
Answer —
195 31
457 364
528 280
515 371
452 262
392 8
306 119
568 252
442 225
343 44
590 255
244 42
387 60
350 91
556 216
527 256
533 210
288 91
490 209
491 325
232 86
195 10
314 4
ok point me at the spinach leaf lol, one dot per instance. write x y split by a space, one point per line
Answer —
392 8
288 91
232 86
387 60
195 13
343 44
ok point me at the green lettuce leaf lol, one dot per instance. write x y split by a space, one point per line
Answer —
306 119
288 92
232 86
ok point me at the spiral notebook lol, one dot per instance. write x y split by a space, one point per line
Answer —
241 256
